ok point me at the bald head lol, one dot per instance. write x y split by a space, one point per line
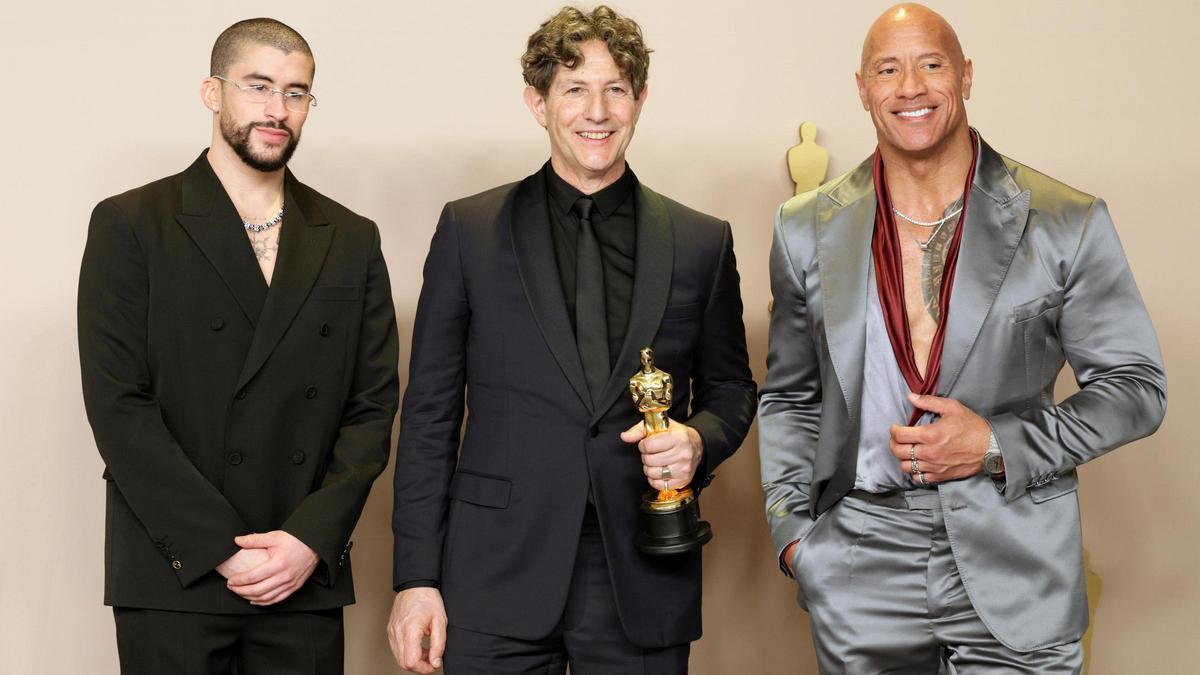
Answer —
909 17
915 81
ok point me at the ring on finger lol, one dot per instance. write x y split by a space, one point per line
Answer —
916 467
912 452
921 479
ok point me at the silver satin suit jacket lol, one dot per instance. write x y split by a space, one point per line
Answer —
1041 280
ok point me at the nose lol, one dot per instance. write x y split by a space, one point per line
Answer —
597 107
275 108
911 83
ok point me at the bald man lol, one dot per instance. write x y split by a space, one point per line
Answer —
920 478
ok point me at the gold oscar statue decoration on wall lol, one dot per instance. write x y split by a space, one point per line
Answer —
670 517
807 161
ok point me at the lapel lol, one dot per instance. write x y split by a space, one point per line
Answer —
652 272
996 218
529 222
845 223
212 222
303 243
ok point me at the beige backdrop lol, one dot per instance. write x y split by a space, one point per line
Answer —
421 103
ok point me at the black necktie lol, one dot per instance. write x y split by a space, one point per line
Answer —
591 325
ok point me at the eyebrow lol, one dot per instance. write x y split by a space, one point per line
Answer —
264 78
885 59
619 80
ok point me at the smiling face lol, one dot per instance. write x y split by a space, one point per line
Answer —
590 113
263 135
914 81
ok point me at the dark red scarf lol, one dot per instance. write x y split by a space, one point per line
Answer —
889 277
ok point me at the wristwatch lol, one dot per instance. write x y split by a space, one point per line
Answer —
993 461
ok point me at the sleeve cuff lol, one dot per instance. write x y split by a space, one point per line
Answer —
418 583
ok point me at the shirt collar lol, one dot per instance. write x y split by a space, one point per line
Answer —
564 195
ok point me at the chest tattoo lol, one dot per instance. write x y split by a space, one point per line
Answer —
933 267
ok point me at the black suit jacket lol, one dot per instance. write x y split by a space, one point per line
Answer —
221 407
498 524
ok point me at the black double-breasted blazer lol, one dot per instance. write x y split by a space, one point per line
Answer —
221 406
496 522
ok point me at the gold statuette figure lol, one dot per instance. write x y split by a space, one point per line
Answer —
670 518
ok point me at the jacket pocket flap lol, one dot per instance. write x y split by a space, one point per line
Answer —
335 293
479 489
1058 487
1036 307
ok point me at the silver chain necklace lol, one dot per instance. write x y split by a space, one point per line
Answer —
258 228
931 223
924 245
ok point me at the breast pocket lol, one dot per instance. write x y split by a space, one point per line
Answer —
679 330
1037 323
1048 304
689 311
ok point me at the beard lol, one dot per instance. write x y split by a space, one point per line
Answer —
238 138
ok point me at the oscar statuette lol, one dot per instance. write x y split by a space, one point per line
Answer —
670 517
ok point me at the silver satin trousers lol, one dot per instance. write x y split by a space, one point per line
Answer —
879 581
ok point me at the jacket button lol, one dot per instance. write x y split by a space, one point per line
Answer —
310 391
298 457
241 395
235 458
594 431
217 324
176 564
324 330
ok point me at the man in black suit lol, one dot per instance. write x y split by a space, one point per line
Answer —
515 553
238 348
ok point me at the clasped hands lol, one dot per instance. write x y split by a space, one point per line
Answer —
950 448
269 568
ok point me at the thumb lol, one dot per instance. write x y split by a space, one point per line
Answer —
634 433
934 404
437 642
253 540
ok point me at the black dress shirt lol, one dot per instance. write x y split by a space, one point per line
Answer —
615 222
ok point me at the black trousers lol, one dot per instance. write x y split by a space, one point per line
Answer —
156 642
589 637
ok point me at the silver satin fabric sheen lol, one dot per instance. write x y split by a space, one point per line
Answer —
885 402
1041 281
897 605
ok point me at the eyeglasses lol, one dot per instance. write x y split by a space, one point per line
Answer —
296 101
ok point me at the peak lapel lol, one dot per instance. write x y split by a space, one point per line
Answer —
303 243
845 223
652 273
996 218
529 223
212 222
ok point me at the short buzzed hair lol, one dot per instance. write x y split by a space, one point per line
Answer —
556 43
262 31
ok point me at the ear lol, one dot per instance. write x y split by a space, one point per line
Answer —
210 93
641 100
536 103
862 90
968 78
